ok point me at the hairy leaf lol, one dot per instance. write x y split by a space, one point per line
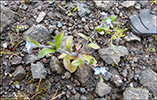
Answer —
68 65
88 58
62 56
92 45
31 40
58 39
52 44
83 36
68 43
45 51
76 62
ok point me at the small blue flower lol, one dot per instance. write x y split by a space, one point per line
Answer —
108 21
28 46
97 71
103 13
103 70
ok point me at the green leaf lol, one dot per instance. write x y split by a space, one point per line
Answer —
101 78
62 56
52 44
76 62
88 58
31 40
68 43
18 27
91 61
113 18
92 45
68 65
58 39
102 28
75 8
46 51
11 40
83 36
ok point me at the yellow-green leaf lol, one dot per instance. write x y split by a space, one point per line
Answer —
50 43
46 51
58 39
76 62
62 56
92 45
113 18
91 61
102 28
88 58
68 43
83 36
31 40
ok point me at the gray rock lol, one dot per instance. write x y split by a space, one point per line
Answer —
37 32
55 66
138 6
128 4
131 37
77 96
106 77
67 75
102 89
40 17
59 24
52 28
83 9
38 70
143 3
83 97
83 90
16 60
5 45
83 19
7 18
149 80
135 93
112 54
30 58
19 73
17 85
62 9
58 15
99 99
51 2
86 28
82 75
24 7
116 10
117 80
104 5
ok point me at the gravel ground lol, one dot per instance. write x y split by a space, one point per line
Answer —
133 78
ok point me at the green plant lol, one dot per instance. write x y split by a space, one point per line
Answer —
16 82
71 60
154 2
155 36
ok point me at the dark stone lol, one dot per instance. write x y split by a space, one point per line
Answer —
30 58
117 80
16 60
38 70
19 73
37 32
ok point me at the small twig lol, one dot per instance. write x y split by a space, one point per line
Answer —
54 94
58 95
37 87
